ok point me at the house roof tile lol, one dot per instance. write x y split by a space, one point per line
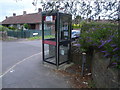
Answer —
27 18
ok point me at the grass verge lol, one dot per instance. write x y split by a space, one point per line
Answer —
40 37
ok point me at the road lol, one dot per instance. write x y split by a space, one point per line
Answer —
13 52
23 68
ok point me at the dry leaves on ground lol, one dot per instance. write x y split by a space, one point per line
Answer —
73 73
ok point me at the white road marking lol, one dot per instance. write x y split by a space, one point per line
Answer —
10 69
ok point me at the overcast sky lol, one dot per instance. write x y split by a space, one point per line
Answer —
8 7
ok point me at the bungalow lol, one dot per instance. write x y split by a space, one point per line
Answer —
34 20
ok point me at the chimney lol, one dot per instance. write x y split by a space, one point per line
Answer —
61 10
24 12
39 10
14 14
99 18
6 17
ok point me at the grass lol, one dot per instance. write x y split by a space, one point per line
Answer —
9 39
35 38
40 37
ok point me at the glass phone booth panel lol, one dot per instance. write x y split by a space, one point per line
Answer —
64 38
56 37
49 40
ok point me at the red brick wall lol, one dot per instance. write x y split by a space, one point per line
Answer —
37 26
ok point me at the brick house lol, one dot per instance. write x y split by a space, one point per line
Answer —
34 20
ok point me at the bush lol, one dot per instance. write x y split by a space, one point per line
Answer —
3 28
78 26
12 28
26 26
102 37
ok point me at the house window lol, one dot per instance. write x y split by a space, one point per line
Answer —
32 26
46 27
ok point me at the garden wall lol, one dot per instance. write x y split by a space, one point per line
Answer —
103 76
76 57
102 37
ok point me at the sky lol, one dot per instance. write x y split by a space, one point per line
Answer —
8 7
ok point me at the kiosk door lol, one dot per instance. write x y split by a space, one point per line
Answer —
49 40
65 38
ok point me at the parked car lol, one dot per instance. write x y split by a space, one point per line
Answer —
75 34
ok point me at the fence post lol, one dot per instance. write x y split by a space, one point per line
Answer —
83 62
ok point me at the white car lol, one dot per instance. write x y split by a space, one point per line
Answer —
75 33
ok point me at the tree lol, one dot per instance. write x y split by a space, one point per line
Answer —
85 8
77 19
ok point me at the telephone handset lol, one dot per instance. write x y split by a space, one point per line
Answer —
64 32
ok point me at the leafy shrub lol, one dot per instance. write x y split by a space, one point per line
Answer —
3 28
78 26
26 26
12 28
102 37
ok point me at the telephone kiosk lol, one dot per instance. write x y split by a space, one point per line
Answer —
57 44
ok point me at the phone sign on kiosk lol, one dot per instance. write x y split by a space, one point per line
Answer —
56 47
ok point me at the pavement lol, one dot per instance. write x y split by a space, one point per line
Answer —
30 72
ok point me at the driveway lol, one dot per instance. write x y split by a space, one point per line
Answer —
23 68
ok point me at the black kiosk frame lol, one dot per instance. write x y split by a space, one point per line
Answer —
56 49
